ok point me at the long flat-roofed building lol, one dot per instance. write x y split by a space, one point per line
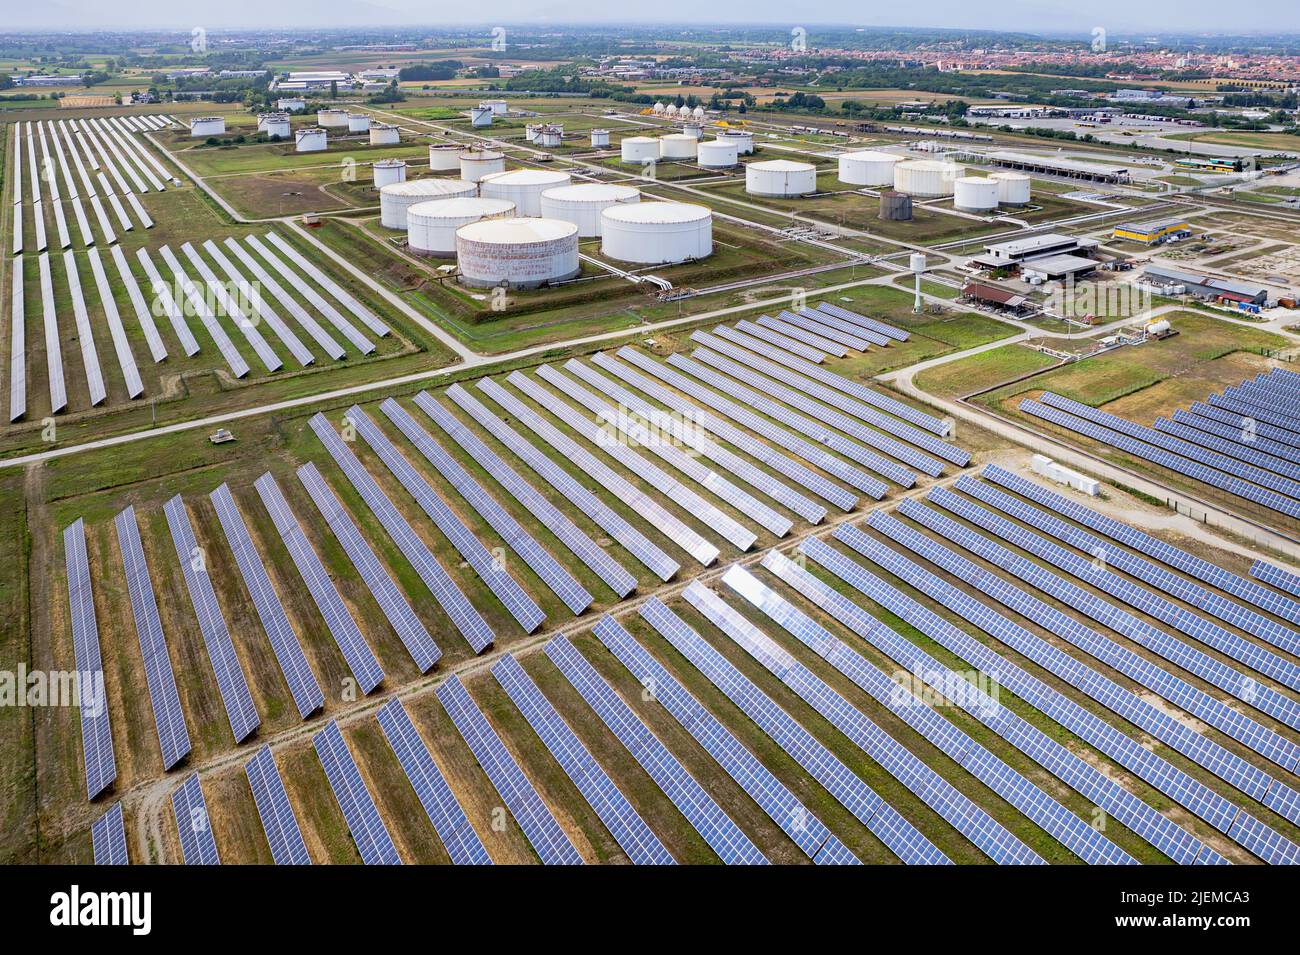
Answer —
1059 166
1203 286
1154 231
1013 254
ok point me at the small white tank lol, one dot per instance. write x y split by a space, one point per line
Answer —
926 178
358 122
431 226
694 130
499 107
444 157
582 204
384 134
531 131
388 171
744 140
549 137
310 139
639 149
1013 188
475 164
975 194
523 187
780 178
678 146
600 138
718 154
278 126
395 199
520 253
480 116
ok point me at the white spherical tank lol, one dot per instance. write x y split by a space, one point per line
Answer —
656 233
600 138
678 146
474 165
780 177
310 139
444 157
975 194
388 171
431 226
926 178
658 109
718 154
523 187
521 253
395 199
331 117
698 113
868 167
1013 188
277 126
384 134
582 204
358 122
639 149
744 140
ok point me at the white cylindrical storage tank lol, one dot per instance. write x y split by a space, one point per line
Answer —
431 226
394 200
331 117
678 146
523 187
693 130
358 122
291 103
311 139
656 233
384 134
277 126
444 157
389 171
868 167
744 140
522 253
498 106
1013 188
718 154
582 204
640 149
975 194
600 138
780 177
531 131
926 178
550 137
480 116
208 126
474 165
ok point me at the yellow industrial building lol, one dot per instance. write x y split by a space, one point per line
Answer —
1154 232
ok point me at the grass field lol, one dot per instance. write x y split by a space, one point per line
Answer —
981 371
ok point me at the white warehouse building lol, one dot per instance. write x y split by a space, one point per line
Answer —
583 204
431 226
780 178
520 253
523 187
395 199
656 233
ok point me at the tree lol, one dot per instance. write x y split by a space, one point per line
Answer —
334 89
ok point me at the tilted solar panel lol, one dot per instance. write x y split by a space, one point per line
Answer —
108 838
92 703
353 796
193 824
273 807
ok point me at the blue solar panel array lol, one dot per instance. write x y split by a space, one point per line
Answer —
1251 453
108 838
401 617
692 801
839 311
92 704
773 331
198 847
463 845
781 805
231 681
539 826
360 659
834 327
306 692
1236 432
603 795
273 807
1279 578
453 601
804 345
173 737
359 809
898 835
1202 414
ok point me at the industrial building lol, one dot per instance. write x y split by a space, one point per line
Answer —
1205 287
1154 231
1059 166
517 253
1014 254
999 298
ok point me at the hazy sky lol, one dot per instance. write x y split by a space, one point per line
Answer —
1169 16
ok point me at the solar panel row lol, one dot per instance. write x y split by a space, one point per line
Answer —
143 314
1279 578
162 298
353 796
883 328
108 838
300 314
1238 428
92 704
198 306
1250 453
795 344
193 824
256 306
231 310
121 345
366 317
273 807
85 338
837 329
773 331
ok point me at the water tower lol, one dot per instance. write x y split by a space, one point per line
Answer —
917 265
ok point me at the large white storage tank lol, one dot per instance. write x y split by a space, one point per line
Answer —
208 126
780 178
718 154
431 226
331 118
600 138
444 157
358 122
499 107
975 194
640 149
678 146
310 139
384 134
531 130
480 116
926 178
522 253
395 199
292 104
278 126
1013 188
523 187
582 204
389 171
656 233
868 167
475 164
744 140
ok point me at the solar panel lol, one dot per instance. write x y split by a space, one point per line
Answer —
34 175
278 821
238 367
17 345
738 439
1282 579
360 659
18 227
539 827
823 459
101 216
598 434
106 137
139 210
162 296
1059 822
18 163
108 838
193 824
551 571
38 220
306 692
1080 775
309 324
897 834
791 349
695 438
449 597
767 329
836 329
547 514
53 350
92 703
1214 421
143 315
121 345
463 845
505 587
692 801
329 285
601 793
247 327
641 503
173 737
403 619
88 184
212 623
89 354
1255 455
353 796
782 806
252 297
794 345
1284 424
872 324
